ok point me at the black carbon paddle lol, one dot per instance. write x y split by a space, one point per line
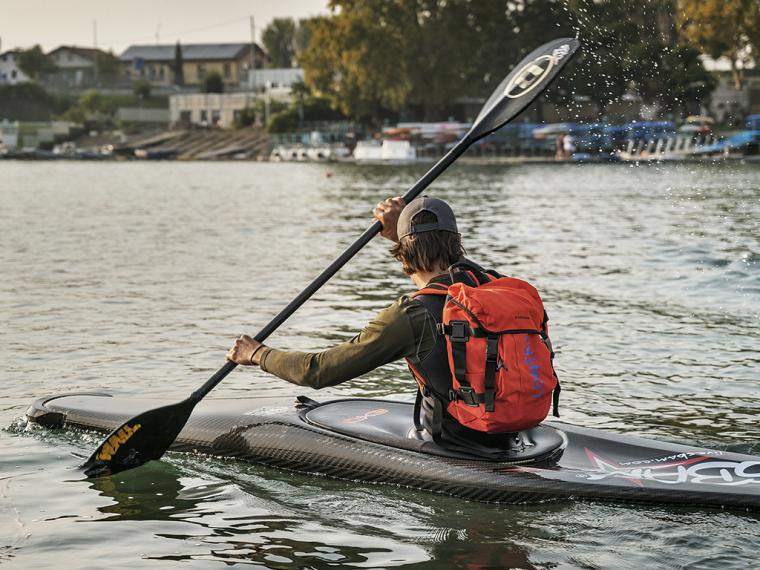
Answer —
148 435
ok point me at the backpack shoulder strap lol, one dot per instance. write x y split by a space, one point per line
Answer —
432 289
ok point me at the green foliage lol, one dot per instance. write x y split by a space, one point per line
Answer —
35 63
302 37
246 118
213 83
108 66
141 88
728 28
93 110
635 48
359 58
279 41
306 109
375 58
372 59
29 102
284 121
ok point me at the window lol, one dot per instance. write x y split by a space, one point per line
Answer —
204 116
14 73
201 71
227 71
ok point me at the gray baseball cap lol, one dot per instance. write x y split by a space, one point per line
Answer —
446 221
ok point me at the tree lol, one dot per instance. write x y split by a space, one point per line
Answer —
357 57
302 37
728 28
29 102
634 48
378 58
178 68
279 41
108 66
213 83
34 62
141 89
93 110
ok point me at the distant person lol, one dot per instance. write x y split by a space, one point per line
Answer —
559 153
568 146
502 380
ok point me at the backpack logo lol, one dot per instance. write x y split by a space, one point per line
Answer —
531 362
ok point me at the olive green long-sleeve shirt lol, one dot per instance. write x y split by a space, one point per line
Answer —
405 329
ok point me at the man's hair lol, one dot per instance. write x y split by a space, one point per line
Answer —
428 250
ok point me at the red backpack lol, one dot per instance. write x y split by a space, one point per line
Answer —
499 351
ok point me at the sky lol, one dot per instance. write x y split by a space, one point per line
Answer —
117 25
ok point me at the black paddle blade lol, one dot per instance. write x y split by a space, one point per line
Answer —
146 436
521 87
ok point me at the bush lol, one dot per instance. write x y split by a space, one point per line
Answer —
246 118
141 89
30 102
213 83
307 109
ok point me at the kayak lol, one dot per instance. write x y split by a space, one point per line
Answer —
374 440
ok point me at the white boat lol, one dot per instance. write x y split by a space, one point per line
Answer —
388 151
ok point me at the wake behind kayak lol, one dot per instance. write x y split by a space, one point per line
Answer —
374 440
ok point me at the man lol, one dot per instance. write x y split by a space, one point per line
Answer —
427 243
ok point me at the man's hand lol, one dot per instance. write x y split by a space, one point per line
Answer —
387 213
246 351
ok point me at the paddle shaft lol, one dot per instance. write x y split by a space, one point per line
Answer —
339 262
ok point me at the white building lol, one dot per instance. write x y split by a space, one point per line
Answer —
10 74
76 65
275 81
217 109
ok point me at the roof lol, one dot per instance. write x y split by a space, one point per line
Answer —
191 52
87 53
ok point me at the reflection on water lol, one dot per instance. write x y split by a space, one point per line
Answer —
134 278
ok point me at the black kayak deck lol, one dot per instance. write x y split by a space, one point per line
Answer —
593 464
391 423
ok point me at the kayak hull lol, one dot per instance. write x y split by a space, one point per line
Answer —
584 464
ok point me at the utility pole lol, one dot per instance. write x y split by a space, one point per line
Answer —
95 45
253 55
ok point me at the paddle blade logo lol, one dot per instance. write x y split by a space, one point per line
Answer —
115 441
532 74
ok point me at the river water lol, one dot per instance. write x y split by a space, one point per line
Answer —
134 278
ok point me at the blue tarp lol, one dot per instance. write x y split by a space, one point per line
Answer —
753 122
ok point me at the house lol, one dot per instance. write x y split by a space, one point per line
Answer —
727 104
10 74
156 62
274 81
219 109
77 66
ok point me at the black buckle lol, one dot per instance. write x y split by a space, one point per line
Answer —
460 331
468 395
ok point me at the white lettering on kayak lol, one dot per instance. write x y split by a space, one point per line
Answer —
692 468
